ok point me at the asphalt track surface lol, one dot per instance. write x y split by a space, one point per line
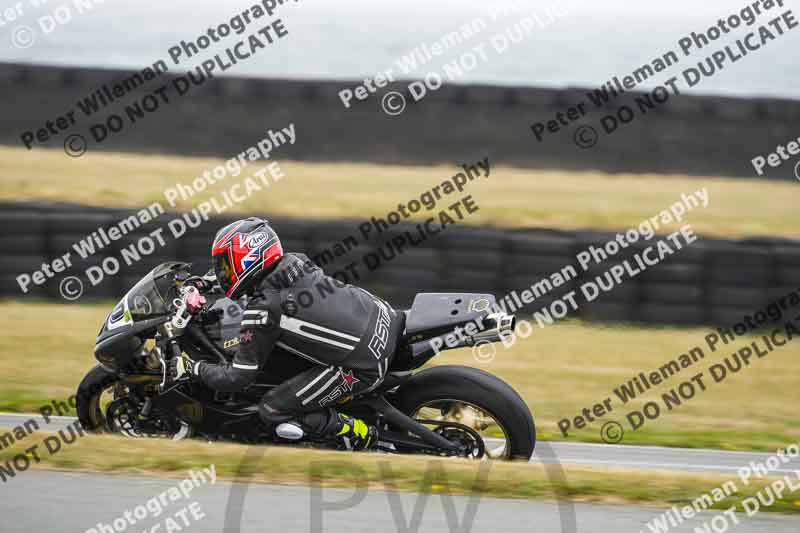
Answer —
40 501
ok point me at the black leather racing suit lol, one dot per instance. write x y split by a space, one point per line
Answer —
349 332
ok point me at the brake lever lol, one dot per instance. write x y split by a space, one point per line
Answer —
163 368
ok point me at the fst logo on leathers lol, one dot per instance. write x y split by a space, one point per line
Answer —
343 390
378 342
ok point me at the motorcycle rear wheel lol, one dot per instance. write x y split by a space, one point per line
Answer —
475 398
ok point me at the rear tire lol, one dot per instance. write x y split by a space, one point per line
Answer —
476 387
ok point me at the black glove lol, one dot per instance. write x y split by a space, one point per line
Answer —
201 284
183 366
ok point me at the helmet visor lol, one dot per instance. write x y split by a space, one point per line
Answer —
224 271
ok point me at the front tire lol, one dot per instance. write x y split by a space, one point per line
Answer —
474 387
91 412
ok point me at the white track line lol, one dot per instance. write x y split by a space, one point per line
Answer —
37 415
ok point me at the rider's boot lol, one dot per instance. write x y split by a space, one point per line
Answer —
352 433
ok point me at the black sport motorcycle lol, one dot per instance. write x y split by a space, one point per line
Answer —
443 410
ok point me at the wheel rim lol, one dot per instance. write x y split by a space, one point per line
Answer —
98 405
114 392
491 431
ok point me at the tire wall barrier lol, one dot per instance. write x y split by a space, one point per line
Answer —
709 282
695 135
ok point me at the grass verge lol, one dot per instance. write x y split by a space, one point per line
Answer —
283 465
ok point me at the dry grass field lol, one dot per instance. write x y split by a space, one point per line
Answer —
509 197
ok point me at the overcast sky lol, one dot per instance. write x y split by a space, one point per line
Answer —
349 39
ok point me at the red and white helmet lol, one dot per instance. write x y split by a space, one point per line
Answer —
243 253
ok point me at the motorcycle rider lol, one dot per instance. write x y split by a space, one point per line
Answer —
349 332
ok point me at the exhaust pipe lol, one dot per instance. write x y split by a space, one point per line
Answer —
501 324
496 324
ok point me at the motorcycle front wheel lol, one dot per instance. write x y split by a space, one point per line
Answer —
105 404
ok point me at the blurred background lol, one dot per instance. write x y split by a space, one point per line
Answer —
348 40
543 202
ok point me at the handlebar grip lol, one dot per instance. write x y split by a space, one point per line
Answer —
176 350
